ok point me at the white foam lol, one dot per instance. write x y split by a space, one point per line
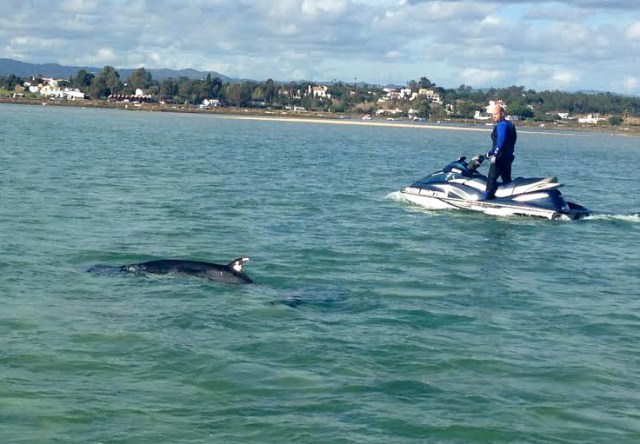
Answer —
397 196
635 218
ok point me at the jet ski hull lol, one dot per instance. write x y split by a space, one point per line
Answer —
494 207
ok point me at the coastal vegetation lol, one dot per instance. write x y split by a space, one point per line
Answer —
337 97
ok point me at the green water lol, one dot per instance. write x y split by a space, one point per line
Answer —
371 321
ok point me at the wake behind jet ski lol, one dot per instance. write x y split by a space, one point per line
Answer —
460 186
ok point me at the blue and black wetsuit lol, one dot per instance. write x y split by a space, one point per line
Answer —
504 138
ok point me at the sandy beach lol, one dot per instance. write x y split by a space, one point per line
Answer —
404 124
335 119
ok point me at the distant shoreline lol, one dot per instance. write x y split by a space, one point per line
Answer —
382 123
317 117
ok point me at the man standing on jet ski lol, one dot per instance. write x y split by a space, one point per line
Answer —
501 155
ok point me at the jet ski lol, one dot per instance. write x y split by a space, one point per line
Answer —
460 186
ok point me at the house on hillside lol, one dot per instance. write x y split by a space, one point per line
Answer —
430 95
53 91
209 103
591 118
389 112
319 91
138 97
395 94
73 94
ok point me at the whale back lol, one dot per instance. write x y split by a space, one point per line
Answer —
231 273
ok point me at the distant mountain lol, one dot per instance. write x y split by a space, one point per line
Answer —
23 69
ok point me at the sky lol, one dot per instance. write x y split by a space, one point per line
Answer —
567 45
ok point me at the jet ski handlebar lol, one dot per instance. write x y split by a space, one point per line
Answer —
476 161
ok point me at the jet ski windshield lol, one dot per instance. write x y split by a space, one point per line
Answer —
461 166
454 170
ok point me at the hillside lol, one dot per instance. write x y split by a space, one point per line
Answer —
55 70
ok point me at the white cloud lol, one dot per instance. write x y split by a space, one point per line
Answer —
492 21
104 56
439 10
333 8
481 77
631 83
633 31
24 43
393 54
531 70
565 78
78 6
289 29
542 44
575 33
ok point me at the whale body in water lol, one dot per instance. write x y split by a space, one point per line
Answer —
231 273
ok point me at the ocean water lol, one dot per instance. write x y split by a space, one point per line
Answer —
371 320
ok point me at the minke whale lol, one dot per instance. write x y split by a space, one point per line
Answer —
231 273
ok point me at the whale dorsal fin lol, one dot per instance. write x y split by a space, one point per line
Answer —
237 264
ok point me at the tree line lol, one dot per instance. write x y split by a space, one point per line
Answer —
343 97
